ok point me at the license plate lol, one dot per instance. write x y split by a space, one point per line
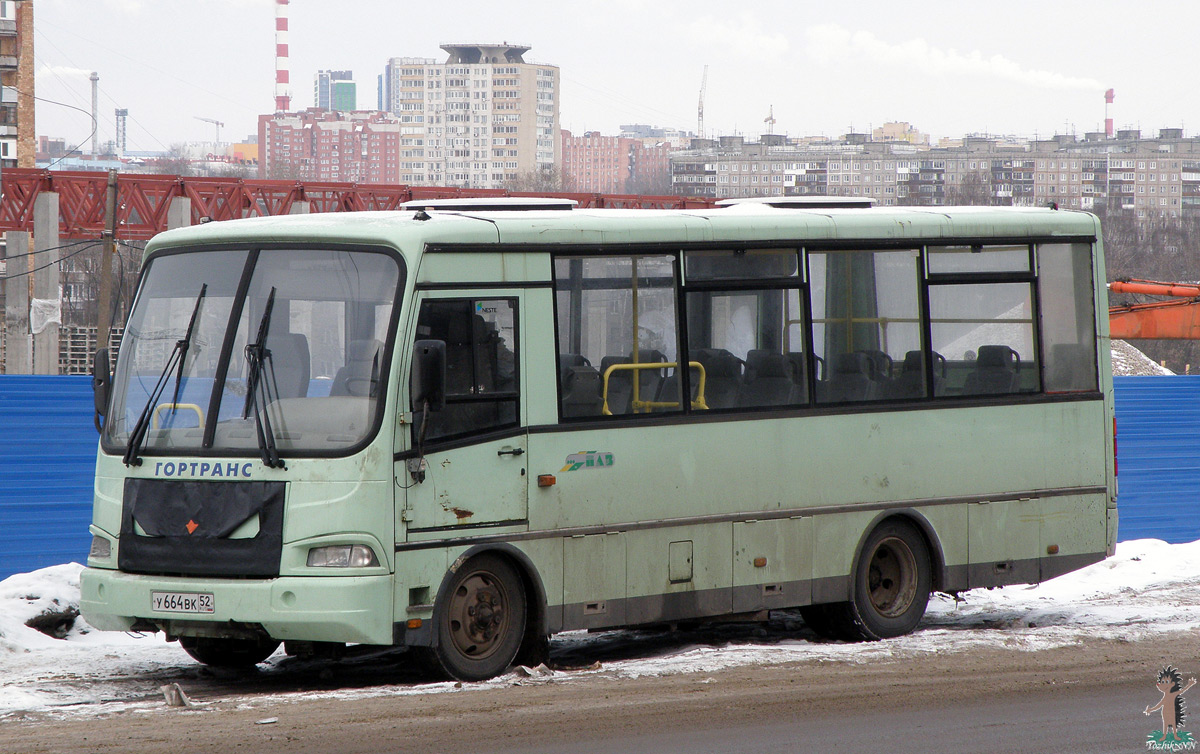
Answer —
181 602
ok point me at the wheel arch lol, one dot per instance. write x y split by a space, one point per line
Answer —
939 576
536 621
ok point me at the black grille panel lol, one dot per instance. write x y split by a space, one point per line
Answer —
187 526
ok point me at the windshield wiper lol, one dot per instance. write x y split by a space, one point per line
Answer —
174 362
259 358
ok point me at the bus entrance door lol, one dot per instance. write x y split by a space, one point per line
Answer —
470 460
478 485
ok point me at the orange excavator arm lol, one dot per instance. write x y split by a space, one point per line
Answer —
1177 318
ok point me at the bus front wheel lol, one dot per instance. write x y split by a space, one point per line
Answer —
481 620
228 653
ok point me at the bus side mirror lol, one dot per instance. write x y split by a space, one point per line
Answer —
101 384
428 382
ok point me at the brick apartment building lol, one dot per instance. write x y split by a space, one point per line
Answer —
615 164
320 145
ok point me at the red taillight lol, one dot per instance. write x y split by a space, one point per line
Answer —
1114 446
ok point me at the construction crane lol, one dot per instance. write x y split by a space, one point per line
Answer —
770 121
213 121
700 107
1176 318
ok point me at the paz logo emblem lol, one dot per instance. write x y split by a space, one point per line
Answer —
192 526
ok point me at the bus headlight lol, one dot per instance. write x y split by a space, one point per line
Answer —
342 556
101 548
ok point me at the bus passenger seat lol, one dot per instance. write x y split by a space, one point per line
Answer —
722 377
620 384
995 371
360 376
911 381
579 385
769 380
800 366
849 379
290 364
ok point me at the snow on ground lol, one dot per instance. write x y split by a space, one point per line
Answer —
1127 360
1148 588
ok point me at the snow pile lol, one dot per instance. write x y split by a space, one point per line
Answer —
1148 588
1127 361
27 596
85 666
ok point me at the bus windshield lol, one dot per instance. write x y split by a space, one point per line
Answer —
322 356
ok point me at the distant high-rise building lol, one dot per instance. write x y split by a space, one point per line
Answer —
335 90
481 118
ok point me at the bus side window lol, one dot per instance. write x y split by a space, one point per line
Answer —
616 335
1068 320
866 318
481 362
986 332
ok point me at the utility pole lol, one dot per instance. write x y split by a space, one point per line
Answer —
109 234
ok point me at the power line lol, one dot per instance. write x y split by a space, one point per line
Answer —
71 245
46 265
74 149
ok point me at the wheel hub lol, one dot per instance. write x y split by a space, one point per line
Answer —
892 577
478 615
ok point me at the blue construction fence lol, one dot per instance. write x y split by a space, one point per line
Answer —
48 459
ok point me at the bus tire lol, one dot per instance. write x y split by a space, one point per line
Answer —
228 653
892 582
481 621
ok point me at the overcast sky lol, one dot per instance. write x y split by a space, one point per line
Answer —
948 67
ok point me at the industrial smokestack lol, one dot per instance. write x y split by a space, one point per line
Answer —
1108 122
95 79
283 97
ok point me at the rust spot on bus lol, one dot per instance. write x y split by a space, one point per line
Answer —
460 513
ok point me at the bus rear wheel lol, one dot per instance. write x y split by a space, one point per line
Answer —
228 653
892 581
481 621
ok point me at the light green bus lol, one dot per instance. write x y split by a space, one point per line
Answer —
464 430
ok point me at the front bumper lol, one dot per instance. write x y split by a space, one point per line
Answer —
344 609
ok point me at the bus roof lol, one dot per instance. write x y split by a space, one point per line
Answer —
410 232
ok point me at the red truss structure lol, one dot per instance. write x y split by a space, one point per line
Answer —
144 200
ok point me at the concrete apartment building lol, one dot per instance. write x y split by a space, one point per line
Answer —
477 120
325 145
1151 176
615 164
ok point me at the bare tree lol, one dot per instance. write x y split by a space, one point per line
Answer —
175 161
1154 248
550 179
654 185
974 189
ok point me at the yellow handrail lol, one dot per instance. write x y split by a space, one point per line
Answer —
639 405
188 406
